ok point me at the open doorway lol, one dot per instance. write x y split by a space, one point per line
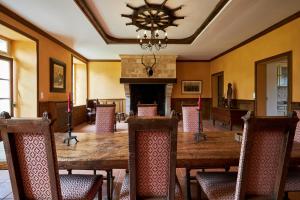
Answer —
217 81
19 54
273 85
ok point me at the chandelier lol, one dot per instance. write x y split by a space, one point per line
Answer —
155 19
153 40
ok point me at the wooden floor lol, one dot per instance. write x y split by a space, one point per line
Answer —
5 187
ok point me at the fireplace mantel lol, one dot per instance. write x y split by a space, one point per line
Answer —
133 72
148 80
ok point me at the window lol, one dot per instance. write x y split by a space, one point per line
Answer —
79 83
4 46
5 85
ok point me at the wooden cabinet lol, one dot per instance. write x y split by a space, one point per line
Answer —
228 116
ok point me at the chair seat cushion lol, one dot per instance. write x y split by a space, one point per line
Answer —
218 185
79 187
124 194
293 180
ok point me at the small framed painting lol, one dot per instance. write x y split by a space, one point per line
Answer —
57 76
191 87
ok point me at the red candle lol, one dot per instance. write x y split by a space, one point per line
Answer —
199 102
69 102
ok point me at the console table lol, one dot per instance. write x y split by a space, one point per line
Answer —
228 116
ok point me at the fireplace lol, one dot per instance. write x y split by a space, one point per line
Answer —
140 88
148 94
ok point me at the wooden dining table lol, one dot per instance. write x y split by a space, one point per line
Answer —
110 151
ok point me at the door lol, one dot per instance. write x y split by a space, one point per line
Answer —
217 82
273 86
6 90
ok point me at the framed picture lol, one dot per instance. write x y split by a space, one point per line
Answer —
191 87
57 76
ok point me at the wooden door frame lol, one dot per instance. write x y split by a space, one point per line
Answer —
25 34
221 73
10 60
289 55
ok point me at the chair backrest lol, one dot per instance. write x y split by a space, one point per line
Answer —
91 103
297 132
147 110
152 157
265 152
105 118
190 118
31 156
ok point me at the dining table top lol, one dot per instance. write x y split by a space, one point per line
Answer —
110 151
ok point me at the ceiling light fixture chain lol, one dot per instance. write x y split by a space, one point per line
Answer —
154 18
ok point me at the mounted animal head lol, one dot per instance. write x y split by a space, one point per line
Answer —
149 68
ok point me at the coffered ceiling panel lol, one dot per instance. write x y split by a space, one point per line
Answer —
109 15
234 22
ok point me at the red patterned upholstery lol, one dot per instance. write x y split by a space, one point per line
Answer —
152 159
260 165
80 187
152 163
293 180
263 161
190 118
105 119
218 185
33 163
147 111
297 132
124 194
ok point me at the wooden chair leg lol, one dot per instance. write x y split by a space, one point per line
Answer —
109 182
100 193
188 183
199 191
286 196
95 172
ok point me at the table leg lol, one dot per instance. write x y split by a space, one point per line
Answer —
108 181
188 183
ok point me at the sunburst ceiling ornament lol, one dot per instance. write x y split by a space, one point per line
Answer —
154 18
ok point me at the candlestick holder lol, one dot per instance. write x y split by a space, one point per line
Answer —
70 136
200 136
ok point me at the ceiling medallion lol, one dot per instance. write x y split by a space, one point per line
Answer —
155 18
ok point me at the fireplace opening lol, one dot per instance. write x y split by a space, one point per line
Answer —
148 94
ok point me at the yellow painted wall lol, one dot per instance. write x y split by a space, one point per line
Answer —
238 65
25 78
104 80
47 49
192 71
80 84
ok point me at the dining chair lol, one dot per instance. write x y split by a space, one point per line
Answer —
265 152
32 163
152 160
190 118
106 123
147 110
293 178
105 118
91 105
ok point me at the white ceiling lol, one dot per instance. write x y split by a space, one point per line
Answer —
238 21
194 11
